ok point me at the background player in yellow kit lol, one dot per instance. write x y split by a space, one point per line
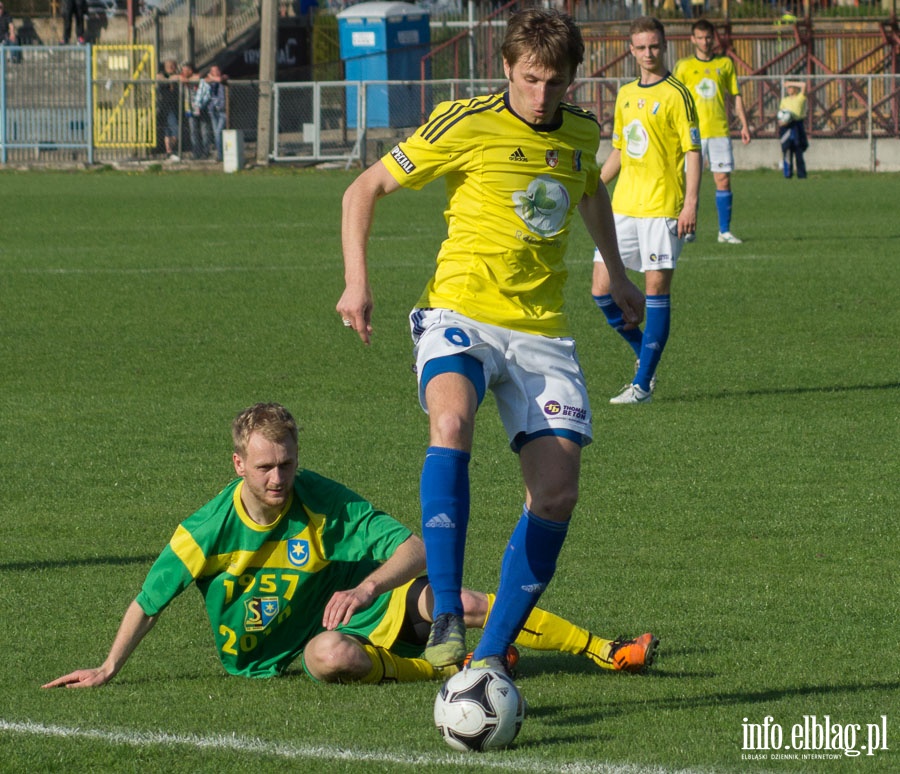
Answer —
712 80
656 156
516 166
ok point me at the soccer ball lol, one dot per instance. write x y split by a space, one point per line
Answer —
479 709
784 117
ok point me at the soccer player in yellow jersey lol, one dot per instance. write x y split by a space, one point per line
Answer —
711 79
516 166
656 156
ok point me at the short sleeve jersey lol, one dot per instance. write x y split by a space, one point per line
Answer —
265 588
654 127
512 189
709 82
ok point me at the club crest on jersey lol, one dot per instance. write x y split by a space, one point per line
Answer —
640 104
259 612
298 551
552 158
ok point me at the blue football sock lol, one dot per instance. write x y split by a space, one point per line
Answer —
723 207
444 495
613 316
527 567
656 333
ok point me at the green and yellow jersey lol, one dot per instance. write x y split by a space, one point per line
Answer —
654 127
709 82
266 588
511 189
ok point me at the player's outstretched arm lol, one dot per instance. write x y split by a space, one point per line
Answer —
406 563
135 625
358 212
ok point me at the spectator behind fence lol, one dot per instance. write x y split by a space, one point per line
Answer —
190 81
167 107
791 115
77 9
7 28
209 108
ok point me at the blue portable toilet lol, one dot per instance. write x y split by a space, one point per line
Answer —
385 41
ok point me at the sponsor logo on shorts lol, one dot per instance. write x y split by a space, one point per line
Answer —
654 258
402 159
554 408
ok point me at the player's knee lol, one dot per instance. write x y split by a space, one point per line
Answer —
331 657
451 430
556 505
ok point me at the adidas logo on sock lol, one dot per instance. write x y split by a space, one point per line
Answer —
441 521
517 155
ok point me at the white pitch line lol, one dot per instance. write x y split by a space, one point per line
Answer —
252 746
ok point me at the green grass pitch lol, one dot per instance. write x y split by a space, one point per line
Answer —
748 516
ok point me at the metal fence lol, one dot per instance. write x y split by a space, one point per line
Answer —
63 105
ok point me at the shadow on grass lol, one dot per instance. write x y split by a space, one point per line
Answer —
690 398
575 718
99 561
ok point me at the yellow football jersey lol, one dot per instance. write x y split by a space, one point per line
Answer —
654 127
709 82
511 190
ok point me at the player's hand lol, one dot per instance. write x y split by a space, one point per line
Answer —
355 308
343 604
630 300
82 678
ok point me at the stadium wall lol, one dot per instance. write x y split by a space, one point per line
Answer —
877 155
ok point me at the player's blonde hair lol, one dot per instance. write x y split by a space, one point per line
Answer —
272 420
545 36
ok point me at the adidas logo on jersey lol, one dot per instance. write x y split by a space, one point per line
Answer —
441 521
517 155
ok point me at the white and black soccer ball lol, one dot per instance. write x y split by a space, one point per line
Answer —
479 709
784 117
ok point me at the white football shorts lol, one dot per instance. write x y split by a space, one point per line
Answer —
647 244
718 154
537 381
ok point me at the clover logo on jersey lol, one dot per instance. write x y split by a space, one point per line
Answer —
706 89
543 206
259 612
636 139
298 551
